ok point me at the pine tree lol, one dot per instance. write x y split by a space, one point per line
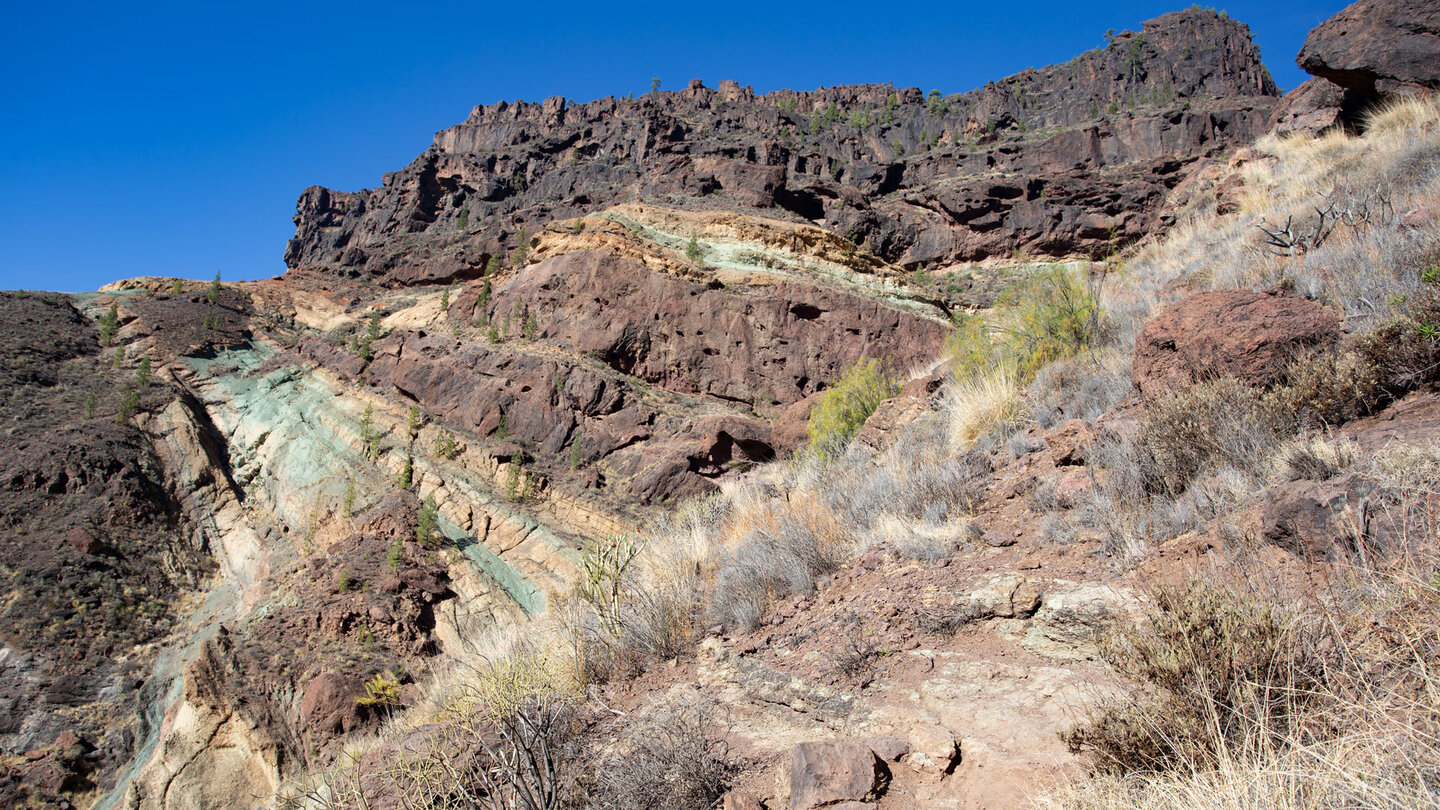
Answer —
109 325
213 296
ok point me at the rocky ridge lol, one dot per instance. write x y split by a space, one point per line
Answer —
1071 160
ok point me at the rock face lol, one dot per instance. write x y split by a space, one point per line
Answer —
1370 51
1375 47
1072 159
1229 333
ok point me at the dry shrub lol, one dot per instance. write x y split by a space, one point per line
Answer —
673 757
781 551
1318 692
1079 388
985 406
1205 428
1210 663
629 610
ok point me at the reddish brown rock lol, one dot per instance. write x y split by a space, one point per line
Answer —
328 708
1317 519
1068 441
1231 333
789 433
83 541
824 774
1034 161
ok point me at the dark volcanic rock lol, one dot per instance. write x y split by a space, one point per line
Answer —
1375 48
1229 333
1067 160
1313 107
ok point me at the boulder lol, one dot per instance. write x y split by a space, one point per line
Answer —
1250 336
1317 519
1310 109
328 708
825 774
1376 48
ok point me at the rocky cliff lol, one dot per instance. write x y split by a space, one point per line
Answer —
1071 160
246 521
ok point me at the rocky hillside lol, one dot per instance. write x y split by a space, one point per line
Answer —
526 427
1071 160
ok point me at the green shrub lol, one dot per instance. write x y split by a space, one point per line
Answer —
383 690
845 407
1055 314
142 372
693 251
213 295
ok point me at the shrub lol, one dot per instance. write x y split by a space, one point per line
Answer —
406 476
1055 314
1210 663
1204 428
142 372
347 504
847 404
413 421
382 690
675 758
693 251
213 294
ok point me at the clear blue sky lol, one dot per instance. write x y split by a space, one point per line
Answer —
157 139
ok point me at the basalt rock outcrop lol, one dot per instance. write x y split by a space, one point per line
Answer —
1369 52
1069 160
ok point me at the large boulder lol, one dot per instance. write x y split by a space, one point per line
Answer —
1310 109
1376 48
1228 333
825 774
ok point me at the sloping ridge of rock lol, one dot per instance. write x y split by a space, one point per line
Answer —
1070 160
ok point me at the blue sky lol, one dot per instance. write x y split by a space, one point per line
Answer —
173 139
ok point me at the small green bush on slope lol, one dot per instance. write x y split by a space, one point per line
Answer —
846 406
